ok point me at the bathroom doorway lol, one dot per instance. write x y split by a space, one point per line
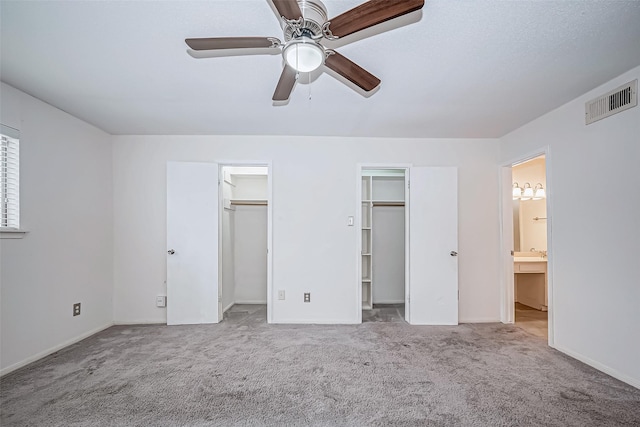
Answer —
526 234
530 246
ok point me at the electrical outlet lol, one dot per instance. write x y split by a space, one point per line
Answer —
76 309
307 297
161 301
281 295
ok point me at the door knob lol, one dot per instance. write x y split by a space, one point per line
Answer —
453 253
171 252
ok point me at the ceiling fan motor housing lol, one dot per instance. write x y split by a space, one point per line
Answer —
314 14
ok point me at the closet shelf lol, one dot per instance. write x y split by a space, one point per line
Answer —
366 228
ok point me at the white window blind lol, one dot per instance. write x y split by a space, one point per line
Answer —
9 178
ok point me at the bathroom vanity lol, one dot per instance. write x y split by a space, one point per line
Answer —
530 281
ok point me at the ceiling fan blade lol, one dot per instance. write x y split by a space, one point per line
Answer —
215 43
352 72
288 8
285 84
371 13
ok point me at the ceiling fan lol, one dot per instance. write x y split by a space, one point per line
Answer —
305 24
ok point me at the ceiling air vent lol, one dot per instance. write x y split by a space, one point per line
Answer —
620 99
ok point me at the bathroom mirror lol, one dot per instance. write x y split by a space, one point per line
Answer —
529 206
516 226
529 225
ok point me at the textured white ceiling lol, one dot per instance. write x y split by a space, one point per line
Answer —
455 69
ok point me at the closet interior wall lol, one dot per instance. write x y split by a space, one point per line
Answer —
244 236
383 237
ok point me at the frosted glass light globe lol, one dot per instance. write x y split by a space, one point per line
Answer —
303 55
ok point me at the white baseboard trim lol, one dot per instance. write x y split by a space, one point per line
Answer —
635 382
52 350
480 320
314 322
433 324
251 302
532 303
227 307
389 302
140 322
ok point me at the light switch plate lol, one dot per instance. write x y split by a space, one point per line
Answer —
281 295
350 221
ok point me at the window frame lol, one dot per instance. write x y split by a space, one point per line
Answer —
10 181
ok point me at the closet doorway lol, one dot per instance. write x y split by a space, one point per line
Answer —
384 244
201 244
245 235
415 261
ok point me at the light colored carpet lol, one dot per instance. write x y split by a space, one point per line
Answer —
244 372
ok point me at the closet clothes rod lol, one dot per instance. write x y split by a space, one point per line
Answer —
249 202
537 218
388 203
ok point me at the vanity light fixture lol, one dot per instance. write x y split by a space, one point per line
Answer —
527 194
517 191
539 192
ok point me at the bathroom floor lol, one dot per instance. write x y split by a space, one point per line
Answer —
532 320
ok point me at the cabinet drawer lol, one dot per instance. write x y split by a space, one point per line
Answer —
530 267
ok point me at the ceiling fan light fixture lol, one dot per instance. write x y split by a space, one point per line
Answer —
303 54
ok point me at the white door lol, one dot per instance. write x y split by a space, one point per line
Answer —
192 243
433 246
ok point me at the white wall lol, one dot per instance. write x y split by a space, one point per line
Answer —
594 200
250 187
66 204
250 236
250 254
388 257
314 191
228 270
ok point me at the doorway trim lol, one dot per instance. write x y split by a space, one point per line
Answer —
358 225
507 299
250 163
